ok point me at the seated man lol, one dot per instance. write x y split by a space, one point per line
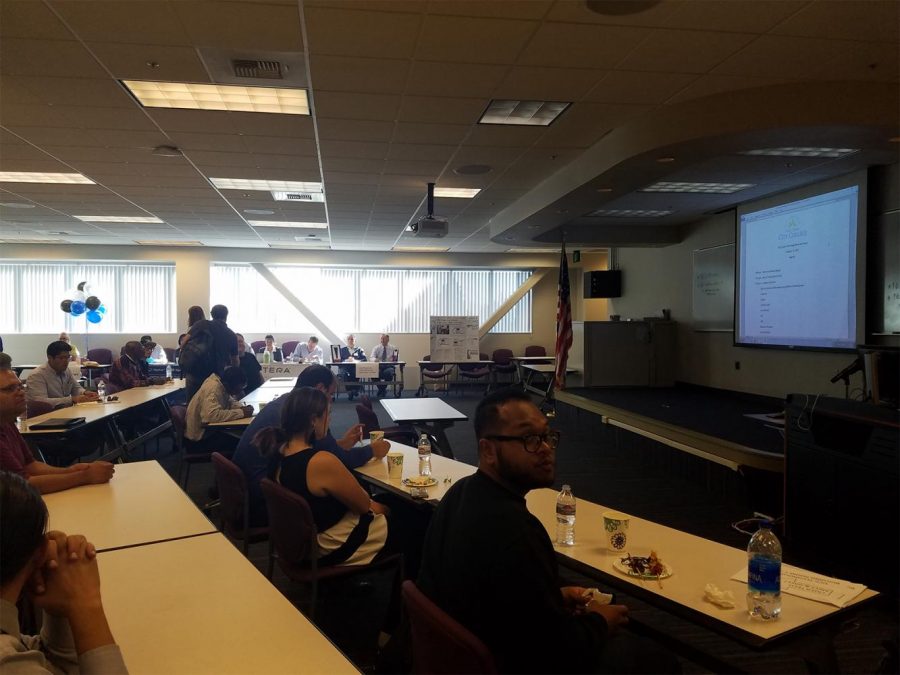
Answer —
255 466
16 457
213 402
126 371
350 352
308 352
490 564
270 348
53 383
249 365
57 573
384 353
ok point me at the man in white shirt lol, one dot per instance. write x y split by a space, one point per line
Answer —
53 382
308 352
385 352
213 402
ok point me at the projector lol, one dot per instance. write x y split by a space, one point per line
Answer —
431 227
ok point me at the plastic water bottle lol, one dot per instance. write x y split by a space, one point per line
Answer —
764 574
101 390
424 455
565 517
267 356
168 371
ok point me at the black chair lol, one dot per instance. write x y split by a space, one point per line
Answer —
234 504
401 434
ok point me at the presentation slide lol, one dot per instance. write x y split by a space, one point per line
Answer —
797 276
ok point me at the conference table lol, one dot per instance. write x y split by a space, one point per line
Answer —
179 597
694 562
368 374
431 415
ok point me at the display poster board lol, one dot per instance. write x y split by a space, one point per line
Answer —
454 338
712 294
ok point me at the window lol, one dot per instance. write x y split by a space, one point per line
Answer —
139 297
369 300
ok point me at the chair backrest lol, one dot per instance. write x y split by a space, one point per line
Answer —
501 356
366 401
367 418
287 348
434 367
170 354
232 493
535 350
440 643
178 413
476 367
100 355
110 387
292 529
256 345
35 408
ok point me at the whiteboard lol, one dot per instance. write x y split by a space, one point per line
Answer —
712 289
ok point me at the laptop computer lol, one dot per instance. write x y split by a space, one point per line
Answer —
57 423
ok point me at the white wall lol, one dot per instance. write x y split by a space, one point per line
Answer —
192 288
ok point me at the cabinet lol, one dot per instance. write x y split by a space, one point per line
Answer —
629 353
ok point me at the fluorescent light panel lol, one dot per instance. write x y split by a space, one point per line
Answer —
802 152
629 213
420 249
523 113
265 185
699 188
532 250
288 223
34 241
119 219
166 242
42 177
461 193
186 95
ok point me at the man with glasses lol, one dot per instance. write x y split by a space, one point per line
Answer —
490 564
16 457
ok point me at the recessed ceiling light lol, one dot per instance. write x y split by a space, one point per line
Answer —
473 169
665 160
288 223
604 189
629 213
166 242
523 113
420 249
16 205
259 212
801 152
265 185
186 95
700 188
34 241
895 139
461 193
41 177
167 151
532 250
119 219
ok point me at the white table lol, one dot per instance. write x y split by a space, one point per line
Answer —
286 369
434 416
444 470
140 505
262 396
548 370
197 606
695 562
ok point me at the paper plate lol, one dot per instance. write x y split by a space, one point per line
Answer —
620 567
421 481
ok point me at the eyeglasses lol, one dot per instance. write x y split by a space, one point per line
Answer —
12 388
532 442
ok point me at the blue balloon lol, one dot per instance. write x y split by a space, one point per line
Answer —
77 308
101 309
94 316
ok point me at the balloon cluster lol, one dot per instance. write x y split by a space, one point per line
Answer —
83 300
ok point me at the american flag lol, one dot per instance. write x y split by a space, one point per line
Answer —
563 321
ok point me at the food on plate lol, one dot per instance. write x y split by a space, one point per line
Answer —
419 481
649 566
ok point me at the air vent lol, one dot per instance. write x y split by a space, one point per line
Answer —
266 70
284 196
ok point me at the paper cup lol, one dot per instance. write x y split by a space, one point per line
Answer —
376 436
615 525
395 464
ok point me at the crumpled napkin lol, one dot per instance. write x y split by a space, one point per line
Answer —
718 597
595 595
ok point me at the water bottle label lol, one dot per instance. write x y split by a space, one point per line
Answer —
764 575
565 509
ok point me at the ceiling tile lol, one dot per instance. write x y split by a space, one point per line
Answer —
129 22
346 32
274 145
240 25
583 124
53 58
91 117
683 51
354 130
498 9
439 78
422 152
262 124
429 170
356 106
441 110
736 16
707 85
873 20
29 19
354 164
353 149
435 134
200 121
547 84
508 136
564 45
342 73
473 40
130 62
621 86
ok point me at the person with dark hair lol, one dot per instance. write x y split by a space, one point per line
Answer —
195 314
16 457
218 345
215 402
181 340
126 371
273 349
352 529
61 572
490 564
154 351
53 383
247 362
254 467
308 352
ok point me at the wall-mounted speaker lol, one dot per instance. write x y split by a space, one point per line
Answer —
603 284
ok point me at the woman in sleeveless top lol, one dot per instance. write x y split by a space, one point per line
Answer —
352 529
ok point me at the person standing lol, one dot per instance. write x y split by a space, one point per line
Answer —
195 314
53 383
249 365
385 353
215 348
